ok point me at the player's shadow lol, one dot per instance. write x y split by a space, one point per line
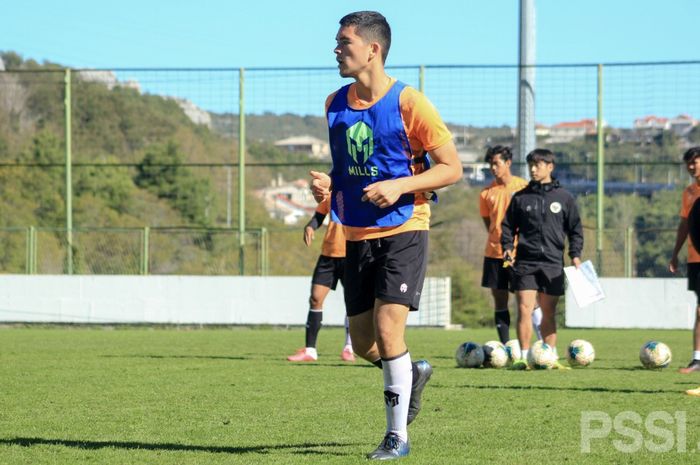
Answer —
568 388
302 448
203 357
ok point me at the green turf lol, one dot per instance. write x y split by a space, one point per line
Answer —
215 396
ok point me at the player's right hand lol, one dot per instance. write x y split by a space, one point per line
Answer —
320 185
673 265
308 235
508 259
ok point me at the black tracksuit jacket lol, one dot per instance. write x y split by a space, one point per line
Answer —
542 216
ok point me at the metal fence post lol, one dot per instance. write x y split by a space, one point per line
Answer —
421 79
29 251
145 234
33 250
69 183
241 173
629 237
263 252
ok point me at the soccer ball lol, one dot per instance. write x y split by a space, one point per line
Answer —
469 355
655 354
495 354
513 351
580 353
541 356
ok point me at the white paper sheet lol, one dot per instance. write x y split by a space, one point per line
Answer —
584 283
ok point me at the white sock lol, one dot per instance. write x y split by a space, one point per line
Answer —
696 355
556 354
348 341
537 321
523 353
312 351
398 378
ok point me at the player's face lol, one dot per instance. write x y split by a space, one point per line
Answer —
499 168
352 52
541 171
693 167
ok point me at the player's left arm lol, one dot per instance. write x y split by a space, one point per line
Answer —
423 122
447 170
574 229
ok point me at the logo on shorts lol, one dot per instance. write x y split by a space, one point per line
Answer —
555 207
403 288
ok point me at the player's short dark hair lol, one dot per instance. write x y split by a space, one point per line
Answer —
539 155
691 154
371 26
503 150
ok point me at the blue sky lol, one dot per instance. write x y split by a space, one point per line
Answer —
262 33
272 33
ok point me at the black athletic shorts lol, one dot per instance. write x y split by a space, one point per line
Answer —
328 271
494 276
389 268
544 278
694 279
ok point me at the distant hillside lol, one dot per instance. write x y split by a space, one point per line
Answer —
270 127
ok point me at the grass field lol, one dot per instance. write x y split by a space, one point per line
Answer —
227 396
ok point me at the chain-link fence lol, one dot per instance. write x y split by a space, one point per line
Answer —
161 147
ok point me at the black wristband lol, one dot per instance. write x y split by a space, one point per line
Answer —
316 221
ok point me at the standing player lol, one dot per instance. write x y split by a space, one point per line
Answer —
542 216
694 234
380 131
329 270
493 202
692 162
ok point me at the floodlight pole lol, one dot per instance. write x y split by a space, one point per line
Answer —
526 84
600 164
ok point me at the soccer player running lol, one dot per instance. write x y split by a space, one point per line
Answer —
380 131
542 216
691 193
493 202
329 270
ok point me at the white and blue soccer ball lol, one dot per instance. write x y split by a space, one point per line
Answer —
655 354
495 354
513 351
580 353
469 355
541 356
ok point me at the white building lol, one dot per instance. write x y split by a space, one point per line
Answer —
650 122
288 201
562 133
313 146
682 124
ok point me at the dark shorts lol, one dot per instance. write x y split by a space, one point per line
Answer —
494 276
544 278
328 271
694 279
390 268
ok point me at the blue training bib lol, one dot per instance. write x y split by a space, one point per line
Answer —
368 146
